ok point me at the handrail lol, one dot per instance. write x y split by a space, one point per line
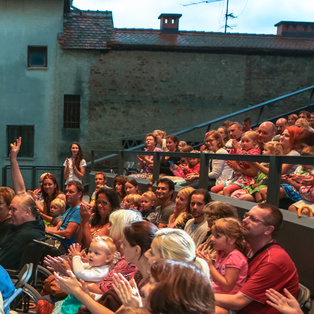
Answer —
275 164
223 118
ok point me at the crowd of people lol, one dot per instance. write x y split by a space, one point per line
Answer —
131 252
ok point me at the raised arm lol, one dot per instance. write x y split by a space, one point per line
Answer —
17 179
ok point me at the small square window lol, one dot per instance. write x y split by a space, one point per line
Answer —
37 56
72 111
27 134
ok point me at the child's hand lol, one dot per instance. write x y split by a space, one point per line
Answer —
205 256
75 249
308 180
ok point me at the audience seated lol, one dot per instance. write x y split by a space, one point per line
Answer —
6 196
172 142
292 118
269 265
235 133
197 227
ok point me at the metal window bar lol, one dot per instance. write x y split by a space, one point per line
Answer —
71 111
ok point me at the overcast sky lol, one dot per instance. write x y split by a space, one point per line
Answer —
252 16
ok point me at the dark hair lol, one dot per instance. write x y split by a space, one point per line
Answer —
122 180
79 186
248 119
47 199
79 155
180 288
113 199
140 233
152 135
132 181
274 217
174 138
168 182
205 193
308 114
226 138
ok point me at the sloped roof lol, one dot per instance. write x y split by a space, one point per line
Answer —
86 30
94 30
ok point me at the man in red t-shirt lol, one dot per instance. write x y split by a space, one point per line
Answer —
269 265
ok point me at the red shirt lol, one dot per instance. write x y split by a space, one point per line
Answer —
272 268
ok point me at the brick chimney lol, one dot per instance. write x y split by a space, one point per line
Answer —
169 23
295 29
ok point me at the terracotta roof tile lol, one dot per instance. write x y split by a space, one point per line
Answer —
94 30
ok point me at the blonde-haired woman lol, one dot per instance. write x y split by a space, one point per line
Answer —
182 209
177 245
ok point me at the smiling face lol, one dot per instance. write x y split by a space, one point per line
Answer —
103 205
285 139
153 253
247 143
266 131
181 202
74 149
49 186
163 192
130 188
97 254
212 143
171 145
118 187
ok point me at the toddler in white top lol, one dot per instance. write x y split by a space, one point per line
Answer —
101 257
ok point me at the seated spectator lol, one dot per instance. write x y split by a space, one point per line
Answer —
243 172
190 172
235 133
182 209
224 134
281 125
305 115
97 223
100 181
181 145
252 191
165 208
197 227
131 187
6 196
132 201
50 191
26 223
161 139
71 219
303 139
266 132
247 124
213 211
57 210
312 120
269 265
303 124
148 202
147 161
229 271
172 142
292 118
119 186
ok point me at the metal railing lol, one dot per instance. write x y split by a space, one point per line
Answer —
260 106
275 164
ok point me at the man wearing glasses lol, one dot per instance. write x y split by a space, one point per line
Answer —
269 265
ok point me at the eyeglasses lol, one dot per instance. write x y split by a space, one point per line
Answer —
102 203
254 219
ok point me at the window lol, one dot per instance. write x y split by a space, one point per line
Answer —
71 111
37 56
27 134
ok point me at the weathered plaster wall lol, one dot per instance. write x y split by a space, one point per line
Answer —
27 95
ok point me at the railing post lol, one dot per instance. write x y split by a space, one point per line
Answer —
203 181
260 114
156 168
208 127
120 162
4 176
274 184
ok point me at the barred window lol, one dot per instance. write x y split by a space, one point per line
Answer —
37 56
71 111
27 134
